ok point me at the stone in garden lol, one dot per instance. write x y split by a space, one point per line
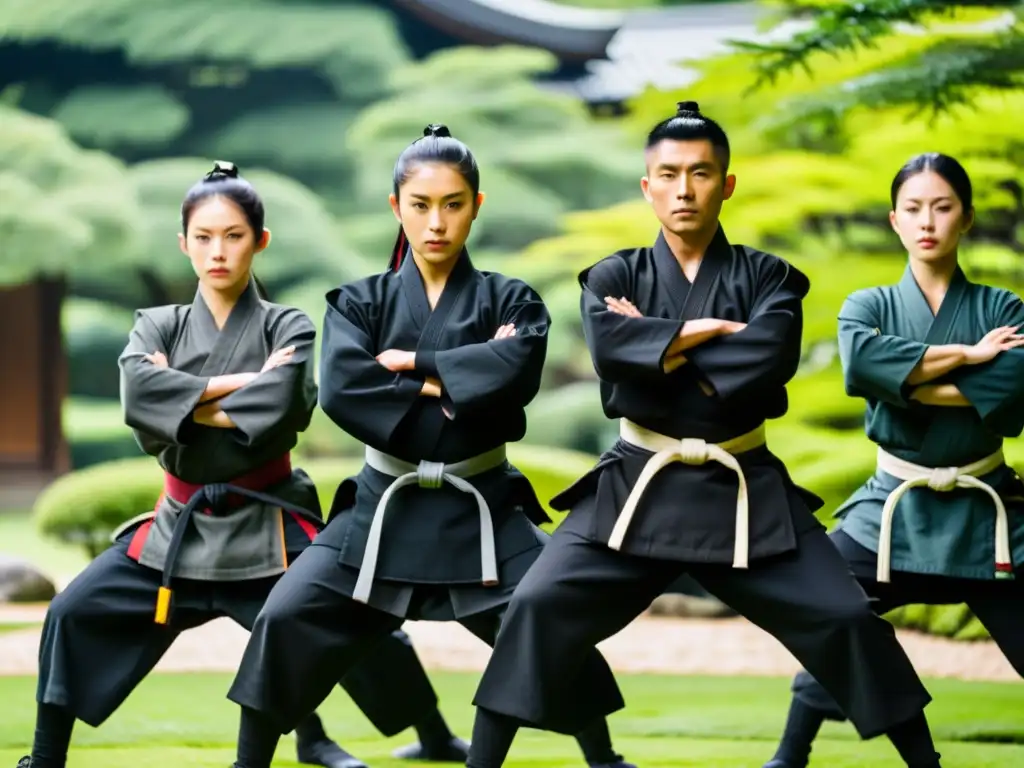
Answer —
21 582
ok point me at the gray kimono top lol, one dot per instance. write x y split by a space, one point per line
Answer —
247 540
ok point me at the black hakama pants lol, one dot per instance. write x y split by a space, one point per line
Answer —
998 604
311 609
99 641
579 593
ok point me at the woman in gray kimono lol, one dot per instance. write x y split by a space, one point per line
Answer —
218 392
940 363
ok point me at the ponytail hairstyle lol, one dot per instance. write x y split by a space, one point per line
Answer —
437 145
225 181
688 124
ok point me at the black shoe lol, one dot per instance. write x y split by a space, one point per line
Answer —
620 763
326 753
775 763
455 751
25 762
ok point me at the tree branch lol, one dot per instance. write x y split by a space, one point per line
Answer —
947 76
846 27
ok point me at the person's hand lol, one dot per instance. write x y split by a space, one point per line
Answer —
431 387
622 306
673 362
708 328
505 331
159 359
731 326
397 360
995 341
277 358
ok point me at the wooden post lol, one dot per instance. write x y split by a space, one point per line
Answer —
53 375
34 381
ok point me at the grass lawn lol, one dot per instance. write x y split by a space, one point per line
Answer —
184 720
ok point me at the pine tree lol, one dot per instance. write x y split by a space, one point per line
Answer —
973 47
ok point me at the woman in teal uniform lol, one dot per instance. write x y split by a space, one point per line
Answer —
940 362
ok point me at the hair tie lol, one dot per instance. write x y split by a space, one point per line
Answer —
222 170
438 130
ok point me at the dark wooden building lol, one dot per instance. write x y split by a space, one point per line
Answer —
33 384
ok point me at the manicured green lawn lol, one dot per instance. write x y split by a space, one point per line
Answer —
184 720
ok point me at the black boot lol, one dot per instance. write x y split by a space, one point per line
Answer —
802 725
314 747
326 753
437 743
455 750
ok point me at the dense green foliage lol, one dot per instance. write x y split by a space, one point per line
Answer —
949 70
329 100
63 210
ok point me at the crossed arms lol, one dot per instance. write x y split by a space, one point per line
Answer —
400 361
161 403
693 333
208 410
940 360
986 375
729 357
368 392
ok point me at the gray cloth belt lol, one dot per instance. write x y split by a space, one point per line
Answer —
429 474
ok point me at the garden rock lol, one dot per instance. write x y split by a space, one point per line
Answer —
21 582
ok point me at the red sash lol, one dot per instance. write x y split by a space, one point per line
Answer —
261 478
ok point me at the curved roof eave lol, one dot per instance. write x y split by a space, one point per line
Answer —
569 33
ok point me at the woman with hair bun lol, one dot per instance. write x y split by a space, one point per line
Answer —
430 364
218 392
939 361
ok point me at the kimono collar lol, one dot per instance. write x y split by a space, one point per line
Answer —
932 328
416 292
688 298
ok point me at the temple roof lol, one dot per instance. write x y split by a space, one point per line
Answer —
575 34
622 52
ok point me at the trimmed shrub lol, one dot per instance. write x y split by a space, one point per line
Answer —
84 507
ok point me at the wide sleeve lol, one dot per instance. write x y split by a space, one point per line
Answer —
996 388
157 402
766 353
622 348
283 398
498 371
359 394
875 365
